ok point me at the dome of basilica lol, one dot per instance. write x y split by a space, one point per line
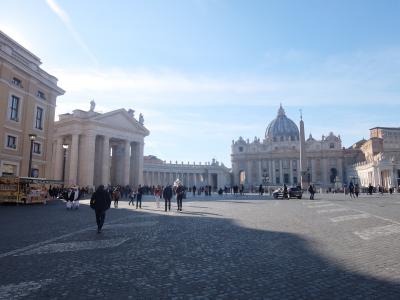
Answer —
282 128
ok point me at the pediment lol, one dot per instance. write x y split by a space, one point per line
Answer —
122 120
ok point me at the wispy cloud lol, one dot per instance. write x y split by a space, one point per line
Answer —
66 20
353 80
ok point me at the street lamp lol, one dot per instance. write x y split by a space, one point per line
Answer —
65 147
32 138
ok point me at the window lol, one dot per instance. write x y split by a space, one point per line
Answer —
37 148
286 178
278 180
14 108
35 173
331 146
294 164
17 82
11 142
9 170
285 164
39 118
294 180
240 149
41 95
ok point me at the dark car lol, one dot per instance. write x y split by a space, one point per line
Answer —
293 192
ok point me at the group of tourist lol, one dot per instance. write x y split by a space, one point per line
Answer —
101 199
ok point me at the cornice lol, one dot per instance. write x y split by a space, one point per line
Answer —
39 74
97 123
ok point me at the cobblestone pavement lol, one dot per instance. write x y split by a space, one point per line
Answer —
247 247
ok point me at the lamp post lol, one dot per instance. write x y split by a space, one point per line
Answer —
65 147
32 138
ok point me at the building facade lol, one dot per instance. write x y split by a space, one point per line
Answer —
276 160
380 165
28 99
91 148
158 172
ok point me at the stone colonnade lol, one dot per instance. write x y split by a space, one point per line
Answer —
189 178
92 159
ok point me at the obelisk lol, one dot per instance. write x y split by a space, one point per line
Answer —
303 167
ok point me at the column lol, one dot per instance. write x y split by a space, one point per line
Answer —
340 169
132 175
105 170
73 163
86 165
127 163
281 172
273 181
260 172
271 178
139 158
325 172
249 173
291 171
59 160
313 171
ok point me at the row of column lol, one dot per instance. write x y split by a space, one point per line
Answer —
274 169
87 160
271 171
154 178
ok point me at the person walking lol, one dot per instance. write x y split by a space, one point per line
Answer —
139 196
285 191
370 189
260 190
132 197
356 190
100 202
157 195
167 195
351 189
116 196
71 198
311 191
180 190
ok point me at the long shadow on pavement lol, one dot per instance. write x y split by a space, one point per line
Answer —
179 256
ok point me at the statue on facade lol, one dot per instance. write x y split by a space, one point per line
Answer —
141 119
92 105
131 112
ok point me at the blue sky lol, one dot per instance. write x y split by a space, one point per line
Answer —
204 72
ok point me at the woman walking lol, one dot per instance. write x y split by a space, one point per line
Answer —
100 202
116 196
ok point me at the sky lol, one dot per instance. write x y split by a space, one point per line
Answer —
205 72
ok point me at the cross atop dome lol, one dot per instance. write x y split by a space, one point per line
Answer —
281 111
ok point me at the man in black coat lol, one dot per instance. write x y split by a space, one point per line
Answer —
100 202
180 190
139 196
167 195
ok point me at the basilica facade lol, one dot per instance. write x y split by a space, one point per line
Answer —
276 159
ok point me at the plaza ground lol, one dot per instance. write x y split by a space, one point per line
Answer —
247 247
